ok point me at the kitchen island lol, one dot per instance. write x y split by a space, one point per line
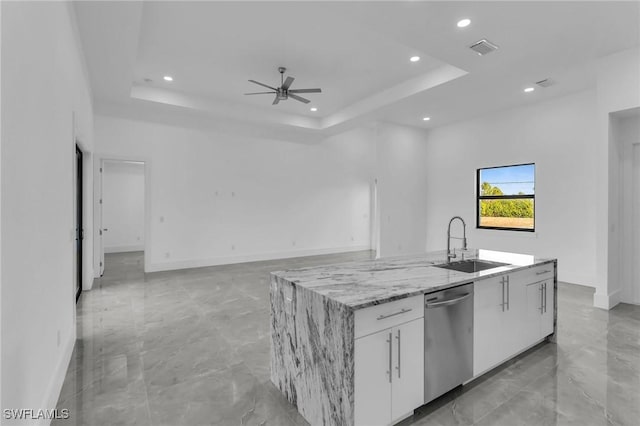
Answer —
333 353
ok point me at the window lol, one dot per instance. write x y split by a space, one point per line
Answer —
506 197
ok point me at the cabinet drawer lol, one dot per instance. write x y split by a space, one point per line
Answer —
538 273
379 317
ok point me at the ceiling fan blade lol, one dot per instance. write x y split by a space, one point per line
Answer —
305 91
299 98
259 93
276 100
263 85
287 83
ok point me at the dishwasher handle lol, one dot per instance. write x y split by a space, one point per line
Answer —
448 302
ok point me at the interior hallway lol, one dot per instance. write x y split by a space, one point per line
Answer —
191 347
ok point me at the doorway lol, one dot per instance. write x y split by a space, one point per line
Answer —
122 211
79 225
625 134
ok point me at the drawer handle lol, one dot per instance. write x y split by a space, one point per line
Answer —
542 272
403 311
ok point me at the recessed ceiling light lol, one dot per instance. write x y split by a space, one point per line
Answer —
464 23
414 58
529 89
426 119
313 109
168 78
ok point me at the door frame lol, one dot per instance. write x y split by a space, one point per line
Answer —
79 222
622 255
100 159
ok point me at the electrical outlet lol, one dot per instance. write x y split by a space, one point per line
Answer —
167 255
161 219
233 247
293 243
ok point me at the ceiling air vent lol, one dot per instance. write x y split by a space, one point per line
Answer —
483 47
545 83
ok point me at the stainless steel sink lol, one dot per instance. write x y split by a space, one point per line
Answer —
471 265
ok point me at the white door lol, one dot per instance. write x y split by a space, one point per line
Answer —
372 381
407 386
488 326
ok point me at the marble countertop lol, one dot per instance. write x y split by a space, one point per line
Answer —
372 282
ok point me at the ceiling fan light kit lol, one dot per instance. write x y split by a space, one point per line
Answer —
283 92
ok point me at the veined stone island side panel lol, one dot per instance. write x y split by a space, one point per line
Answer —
312 348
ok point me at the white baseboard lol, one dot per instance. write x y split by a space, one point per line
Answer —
123 249
55 385
606 301
227 260
87 282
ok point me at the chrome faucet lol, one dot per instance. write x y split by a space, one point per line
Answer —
464 238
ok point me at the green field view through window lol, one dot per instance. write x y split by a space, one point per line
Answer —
506 197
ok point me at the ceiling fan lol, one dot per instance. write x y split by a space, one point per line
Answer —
283 92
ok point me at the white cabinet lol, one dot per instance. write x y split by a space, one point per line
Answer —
493 322
547 325
372 386
516 301
531 330
407 385
389 373
540 307
511 313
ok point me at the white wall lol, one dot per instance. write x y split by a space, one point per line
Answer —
559 137
123 206
43 85
222 198
618 89
1 210
402 183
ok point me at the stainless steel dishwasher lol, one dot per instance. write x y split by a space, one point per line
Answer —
448 340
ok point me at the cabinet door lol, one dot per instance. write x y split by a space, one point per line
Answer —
546 326
514 318
488 325
407 386
531 329
372 378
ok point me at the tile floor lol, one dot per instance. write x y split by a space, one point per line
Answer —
191 347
